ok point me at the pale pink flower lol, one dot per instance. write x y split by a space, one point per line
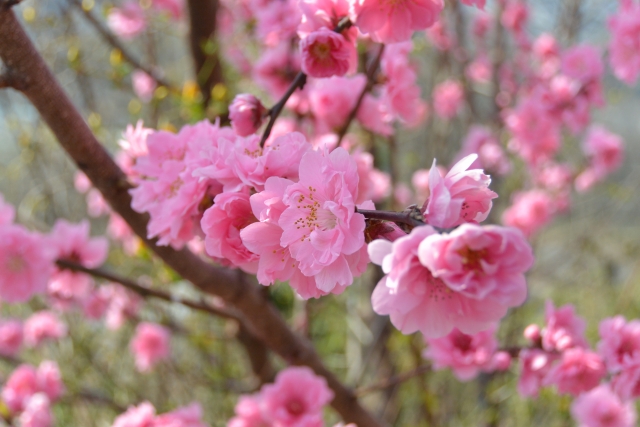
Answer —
11 337
619 342
530 211
136 416
248 412
600 407
150 345
186 416
7 212
578 370
277 22
483 142
402 194
440 37
119 230
624 45
417 301
373 184
325 53
392 22
133 145
128 21
71 242
563 329
26 263
49 380
448 98
41 326
21 385
96 204
143 85
37 412
626 383
604 151
480 262
222 224
535 364
479 70
246 114
466 355
321 228
173 7
460 196
296 398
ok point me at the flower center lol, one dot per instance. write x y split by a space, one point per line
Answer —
321 51
316 217
295 407
472 259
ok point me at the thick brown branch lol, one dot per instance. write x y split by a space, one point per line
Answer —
411 216
112 40
73 134
8 4
203 22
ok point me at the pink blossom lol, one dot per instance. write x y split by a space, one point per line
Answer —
564 329
248 413
128 21
186 416
134 145
479 70
392 22
332 100
222 223
439 36
276 68
620 342
530 211
318 14
123 304
26 263
7 212
150 345
277 22
626 383
136 416
246 114
41 326
296 398
10 337
584 63
448 98
578 370
21 385
415 300
600 407
71 242
37 412
480 262
466 355
374 115
535 364
624 45
321 228
515 15
373 184
460 196
604 151
491 156
325 53
49 380
143 85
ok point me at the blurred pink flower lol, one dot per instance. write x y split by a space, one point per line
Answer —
21 385
37 412
535 364
619 342
564 329
624 45
173 7
41 326
578 370
448 98
128 21
186 416
136 416
600 407
11 337
49 380
143 85
150 345
530 211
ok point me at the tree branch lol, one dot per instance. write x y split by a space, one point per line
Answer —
112 40
73 134
410 216
8 4
393 381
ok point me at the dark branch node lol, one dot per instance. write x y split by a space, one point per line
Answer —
8 4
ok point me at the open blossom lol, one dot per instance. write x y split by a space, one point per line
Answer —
248 412
466 355
136 416
150 345
246 113
392 22
325 53
41 326
624 46
564 329
128 21
26 263
71 242
25 381
535 364
530 211
37 412
222 223
578 370
296 398
460 196
11 337
604 151
448 97
619 342
415 300
600 407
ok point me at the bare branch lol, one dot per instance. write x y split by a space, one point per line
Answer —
410 216
73 134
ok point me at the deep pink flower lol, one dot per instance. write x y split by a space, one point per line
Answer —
564 329
136 416
318 14
624 45
246 114
150 345
535 364
37 412
21 385
604 151
296 398
460 196
417 301
143 85
480 262
222 224
619 342
325 53
186 416
41 326
392 22
26 263
530 211
578 370
466 355
248 412
11 336
128 21
600 407
448 97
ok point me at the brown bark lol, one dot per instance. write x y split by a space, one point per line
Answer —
263 320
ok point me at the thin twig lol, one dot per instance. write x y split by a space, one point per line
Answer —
111 39
407 217
393 381
371 73
148 292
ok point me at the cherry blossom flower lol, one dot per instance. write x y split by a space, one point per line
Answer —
143 85
530 211
325 53
150 345
604 151
37 412
619 342
248 412
49 380
624 45
578 371
246 114
448 97
600 407
136 416
535 364
21 385
41 326
186 416
128 21
564 329
11 337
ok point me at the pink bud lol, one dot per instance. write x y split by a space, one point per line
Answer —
501 361
246 113
532 333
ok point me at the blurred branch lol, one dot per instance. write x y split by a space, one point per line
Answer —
203 22
394 380
410 216
371 74
263 319
569 21
9 79
112 40
8 4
